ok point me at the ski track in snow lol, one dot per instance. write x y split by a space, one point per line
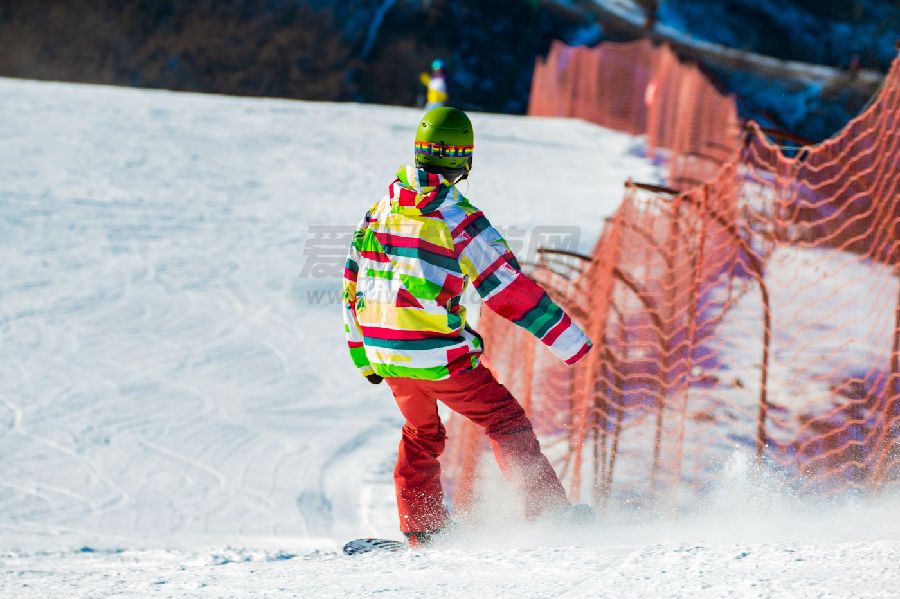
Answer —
178 418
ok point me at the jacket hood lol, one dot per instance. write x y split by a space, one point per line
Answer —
420 191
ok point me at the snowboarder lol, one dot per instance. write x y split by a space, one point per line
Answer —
412 255
436 85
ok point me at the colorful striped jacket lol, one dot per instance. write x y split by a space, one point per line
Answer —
411 258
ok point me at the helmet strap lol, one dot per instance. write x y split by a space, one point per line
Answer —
461 177
453 175
465 174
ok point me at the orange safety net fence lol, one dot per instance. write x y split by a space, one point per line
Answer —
642 89
757 313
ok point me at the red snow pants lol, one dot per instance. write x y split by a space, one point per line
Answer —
478 396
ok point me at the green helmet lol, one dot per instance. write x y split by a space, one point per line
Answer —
444 142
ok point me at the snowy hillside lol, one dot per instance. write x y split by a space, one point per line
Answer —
177 413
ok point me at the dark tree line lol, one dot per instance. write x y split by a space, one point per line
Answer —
318 50
236 47
285 48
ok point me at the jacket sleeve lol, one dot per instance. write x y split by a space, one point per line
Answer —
489 264
351 324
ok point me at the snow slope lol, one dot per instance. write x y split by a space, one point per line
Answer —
177 413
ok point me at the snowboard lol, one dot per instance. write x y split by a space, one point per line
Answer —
359 546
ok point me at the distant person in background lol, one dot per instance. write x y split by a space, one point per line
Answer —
856 64
651 13
436 84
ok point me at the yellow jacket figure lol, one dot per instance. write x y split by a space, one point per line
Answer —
436 84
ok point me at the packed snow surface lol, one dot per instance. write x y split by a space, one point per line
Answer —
178 415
